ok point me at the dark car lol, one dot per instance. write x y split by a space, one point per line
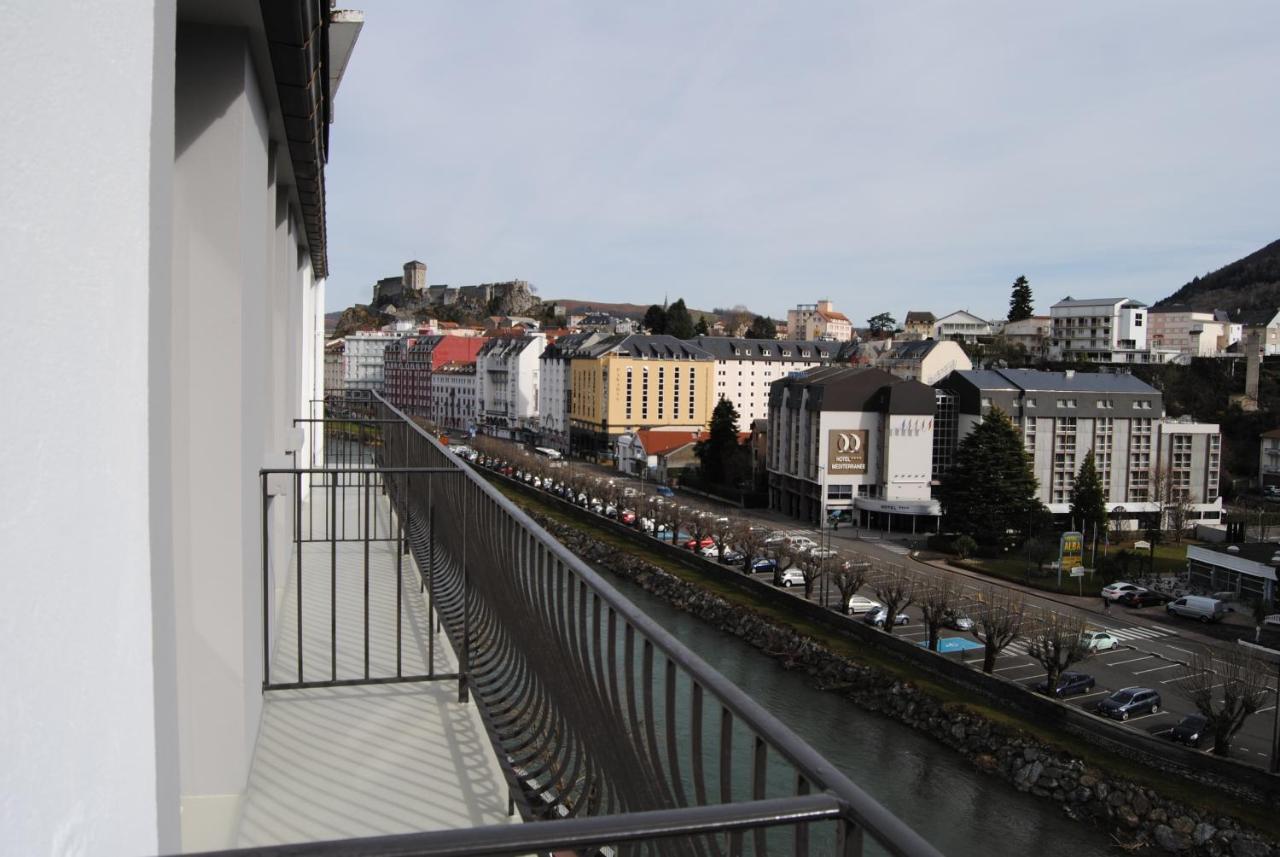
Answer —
1141 598
732 557
764 564
1069 683
1130 702
1190 730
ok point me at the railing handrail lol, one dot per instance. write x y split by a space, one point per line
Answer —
893 833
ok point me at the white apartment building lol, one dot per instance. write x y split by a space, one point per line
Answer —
453 396
818 321
507 376
1104 330
925 361
363 357
554 383
745 368
334 350
854 441
1139 454
133 665
1031 333
1194 334
962 326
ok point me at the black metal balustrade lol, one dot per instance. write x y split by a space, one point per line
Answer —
613 736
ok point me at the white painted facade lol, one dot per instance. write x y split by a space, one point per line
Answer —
553 400
131 715
962 326
1195 334
363 358
1104 330
453 396
507 376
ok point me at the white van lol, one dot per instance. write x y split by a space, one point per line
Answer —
1197 607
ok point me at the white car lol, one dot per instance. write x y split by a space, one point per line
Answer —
862 604
803 543
790 577
1113 591
876 617
822 553
1098 641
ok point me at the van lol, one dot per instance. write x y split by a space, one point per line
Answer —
1197 607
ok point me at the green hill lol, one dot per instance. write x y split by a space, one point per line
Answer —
1247 287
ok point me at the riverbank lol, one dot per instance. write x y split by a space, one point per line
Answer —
1167 816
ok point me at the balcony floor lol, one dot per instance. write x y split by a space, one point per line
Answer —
334 763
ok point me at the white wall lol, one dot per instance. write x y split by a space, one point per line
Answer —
86 727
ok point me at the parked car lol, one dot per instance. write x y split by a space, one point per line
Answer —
1098 641
646 524
1130 702
764 564
862 604
822 553
1113 591
1197 607
879 614
732 557
1190 730
712 550
693 544
957 621
1069 682
664 491
627 517
802 543
611 511
1142 598
790 577
775 539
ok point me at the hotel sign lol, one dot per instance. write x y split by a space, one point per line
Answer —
846 452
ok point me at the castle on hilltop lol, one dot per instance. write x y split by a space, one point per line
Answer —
513 296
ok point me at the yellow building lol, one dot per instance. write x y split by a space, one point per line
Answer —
635 382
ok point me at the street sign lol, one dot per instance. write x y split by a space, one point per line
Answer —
1078 571
1070 552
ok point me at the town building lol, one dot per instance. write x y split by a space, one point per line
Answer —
818 321
1031 333
1104 330
1269 458
602 322
1194 334
657 454
333 361
627 383
507 374
962 326
745 368
918 325
857 442
1248 570
1266 326
926 361
453 396
1145 462
408 365
553 386
364 356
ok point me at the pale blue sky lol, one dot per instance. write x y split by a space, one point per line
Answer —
890 156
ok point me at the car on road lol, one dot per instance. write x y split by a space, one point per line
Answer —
878 615
1190 730
1098 641
801 543
1142 598
732 557
775 539
790 577
664 491
862 604
822 553
1069 682
764 563
1113 591
1197 607
1130 702
956 621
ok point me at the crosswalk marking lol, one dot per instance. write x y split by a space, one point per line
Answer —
1139 633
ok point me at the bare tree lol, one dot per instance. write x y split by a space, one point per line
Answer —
1242 678
750 541
895 587
997 622
812 568
722 529
699 526
1056 642
849 577
938 599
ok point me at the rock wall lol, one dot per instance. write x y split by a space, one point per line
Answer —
1137 817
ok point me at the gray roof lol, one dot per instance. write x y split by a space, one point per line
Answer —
1259 552
1065 302
768 350
916 350
919 317
659 347
844 388
1032 380
505 346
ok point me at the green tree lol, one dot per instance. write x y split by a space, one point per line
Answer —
701 328
1088 499
679 321
1020 300
655 320
882 323
990 492
720 456
762 327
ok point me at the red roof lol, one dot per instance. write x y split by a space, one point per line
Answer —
834 316
662 442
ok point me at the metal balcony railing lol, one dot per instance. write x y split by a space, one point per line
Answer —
612 735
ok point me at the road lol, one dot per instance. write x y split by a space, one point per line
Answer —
1152 647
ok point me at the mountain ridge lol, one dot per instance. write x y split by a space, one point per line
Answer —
1246 287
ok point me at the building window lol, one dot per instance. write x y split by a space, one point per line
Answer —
840 492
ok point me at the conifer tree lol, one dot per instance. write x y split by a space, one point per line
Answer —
1020 300
1088 499
679 321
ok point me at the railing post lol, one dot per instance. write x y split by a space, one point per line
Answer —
464 657
848 838
266 583
297 547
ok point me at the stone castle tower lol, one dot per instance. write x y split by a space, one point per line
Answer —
415 276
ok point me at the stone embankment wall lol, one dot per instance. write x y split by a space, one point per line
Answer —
1135 815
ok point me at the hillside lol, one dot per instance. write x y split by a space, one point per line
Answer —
636 311
1243 288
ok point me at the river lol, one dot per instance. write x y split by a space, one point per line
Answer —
937 792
